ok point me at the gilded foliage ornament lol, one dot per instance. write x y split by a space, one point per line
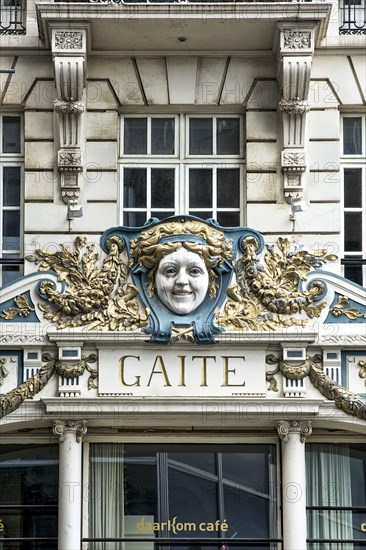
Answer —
22 308
341 308
97 296
267 295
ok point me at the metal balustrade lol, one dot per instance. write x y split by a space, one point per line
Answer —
12 16
353 17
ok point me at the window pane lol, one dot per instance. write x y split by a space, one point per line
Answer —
11 134
193 499
201 214
352 137
200 136
354 273
162 136
201 461
228 136
9 273
162 188
11 185
228 192
352 231
11 230
134 219
353 187
228 219
134 187
135 136
200 188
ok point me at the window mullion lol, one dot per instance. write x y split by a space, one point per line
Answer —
220 490
163 491
214 191
148 192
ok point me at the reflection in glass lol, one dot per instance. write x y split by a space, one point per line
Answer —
135 136
162 136
11 230
200 136
352 136
11 186
162 188
228 192
134 188
228 136
352 187
200 188
11 134
353 231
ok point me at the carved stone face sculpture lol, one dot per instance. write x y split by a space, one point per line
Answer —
182 281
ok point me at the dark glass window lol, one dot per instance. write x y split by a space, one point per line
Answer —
11 134
29 495
352 135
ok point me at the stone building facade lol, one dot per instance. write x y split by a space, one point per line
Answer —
238 421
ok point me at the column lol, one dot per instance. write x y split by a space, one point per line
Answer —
70 434
293 435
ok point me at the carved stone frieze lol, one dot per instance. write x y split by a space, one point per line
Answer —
69 107
285 428
68 40
77 428
69 160
294 106
296 39
293 161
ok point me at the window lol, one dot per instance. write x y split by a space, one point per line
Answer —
354 198
11 161
137 489
182 165
336 496
12 16
352 17
29 496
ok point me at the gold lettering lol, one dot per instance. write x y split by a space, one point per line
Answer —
204 366
182 372
122 368
363 527
227 371
159 361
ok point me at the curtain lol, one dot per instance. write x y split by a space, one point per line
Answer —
329 484
106 490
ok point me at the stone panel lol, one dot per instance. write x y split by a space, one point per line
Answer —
122 76
45 216
261 125
264 95
101 154
262 156
39 185
359 64
154 80
42 95
240 77
323 155
338 70
210 73
182 73
101 186
39 155
323 124
270 218
322 186
321 95
38 125
27 69
100 96
102 125
263 187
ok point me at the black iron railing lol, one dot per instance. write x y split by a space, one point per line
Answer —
353 17
12 16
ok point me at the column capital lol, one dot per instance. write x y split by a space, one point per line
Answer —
78 428
286 427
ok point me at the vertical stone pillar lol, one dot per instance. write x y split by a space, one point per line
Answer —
293 435
70 482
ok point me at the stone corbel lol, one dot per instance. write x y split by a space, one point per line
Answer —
69 58
295 51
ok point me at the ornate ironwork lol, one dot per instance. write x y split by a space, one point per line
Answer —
353 18
12 17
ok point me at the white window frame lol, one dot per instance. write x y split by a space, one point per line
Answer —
355 161
11 160
181 161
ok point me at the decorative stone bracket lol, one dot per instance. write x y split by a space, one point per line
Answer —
295 50
69 57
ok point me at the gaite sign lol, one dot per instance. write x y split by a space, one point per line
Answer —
179 372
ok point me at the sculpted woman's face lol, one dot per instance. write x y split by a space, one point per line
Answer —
182 281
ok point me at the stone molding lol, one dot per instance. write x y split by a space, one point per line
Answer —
285 427
77 428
